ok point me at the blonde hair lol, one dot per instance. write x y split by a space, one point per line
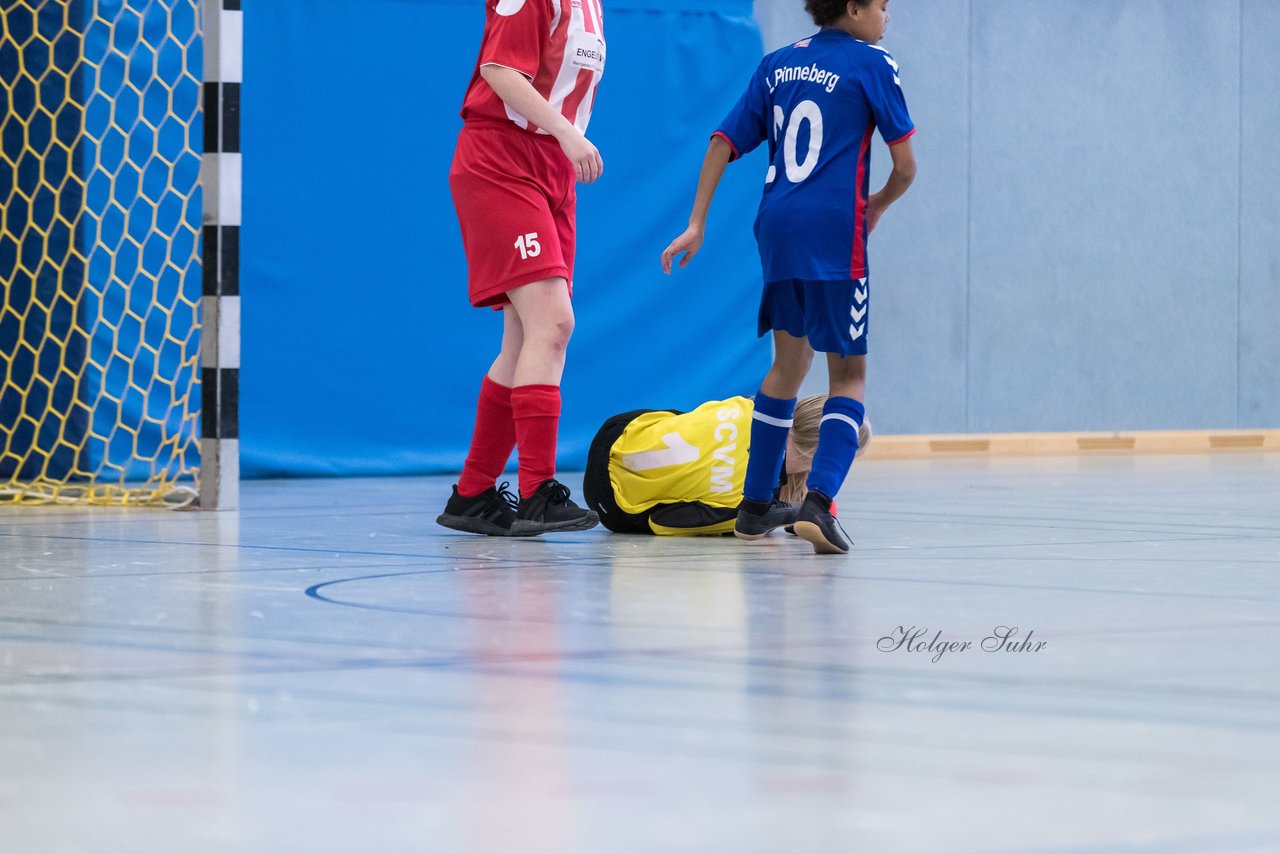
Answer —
803 441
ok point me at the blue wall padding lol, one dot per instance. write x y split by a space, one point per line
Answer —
361 353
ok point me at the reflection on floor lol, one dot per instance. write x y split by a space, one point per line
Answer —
328 670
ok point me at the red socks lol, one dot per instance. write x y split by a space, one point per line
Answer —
536 410
491 444
531 414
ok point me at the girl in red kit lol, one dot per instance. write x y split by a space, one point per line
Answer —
521 150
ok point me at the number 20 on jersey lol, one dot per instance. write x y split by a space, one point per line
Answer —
788 127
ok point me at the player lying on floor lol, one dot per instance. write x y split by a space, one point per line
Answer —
660 471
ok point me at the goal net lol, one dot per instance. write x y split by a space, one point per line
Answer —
100 227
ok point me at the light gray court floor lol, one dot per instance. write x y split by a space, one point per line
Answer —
327 670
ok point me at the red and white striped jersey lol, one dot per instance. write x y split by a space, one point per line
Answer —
557 44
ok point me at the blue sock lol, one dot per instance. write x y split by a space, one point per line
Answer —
837 443
770 425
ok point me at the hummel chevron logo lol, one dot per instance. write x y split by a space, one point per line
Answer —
858 311
892 63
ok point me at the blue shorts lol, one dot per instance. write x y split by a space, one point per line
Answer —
834 316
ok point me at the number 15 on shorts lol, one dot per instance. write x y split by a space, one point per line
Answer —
529 246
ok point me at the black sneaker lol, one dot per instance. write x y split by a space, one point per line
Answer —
816 524
490 513
549 509
757 519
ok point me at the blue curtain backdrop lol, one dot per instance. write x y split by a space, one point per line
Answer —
361 354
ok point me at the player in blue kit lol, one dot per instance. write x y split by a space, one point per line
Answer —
817 103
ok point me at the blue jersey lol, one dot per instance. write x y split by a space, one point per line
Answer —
817 103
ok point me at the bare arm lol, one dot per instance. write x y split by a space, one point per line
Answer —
904 172
518 93
719 153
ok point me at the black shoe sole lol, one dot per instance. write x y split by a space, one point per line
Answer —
812 532
752 536
529 528
473 525
757 534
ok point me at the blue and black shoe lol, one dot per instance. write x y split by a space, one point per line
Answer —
756 519
819 526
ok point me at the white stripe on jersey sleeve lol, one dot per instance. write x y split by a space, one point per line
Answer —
562 88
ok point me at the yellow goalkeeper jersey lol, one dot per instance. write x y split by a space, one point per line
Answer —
684 472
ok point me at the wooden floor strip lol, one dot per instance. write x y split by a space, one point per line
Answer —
1064 444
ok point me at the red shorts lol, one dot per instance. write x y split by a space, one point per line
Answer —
516 198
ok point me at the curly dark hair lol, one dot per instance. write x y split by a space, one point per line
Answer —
827 12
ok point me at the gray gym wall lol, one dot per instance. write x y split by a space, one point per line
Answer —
1093 241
